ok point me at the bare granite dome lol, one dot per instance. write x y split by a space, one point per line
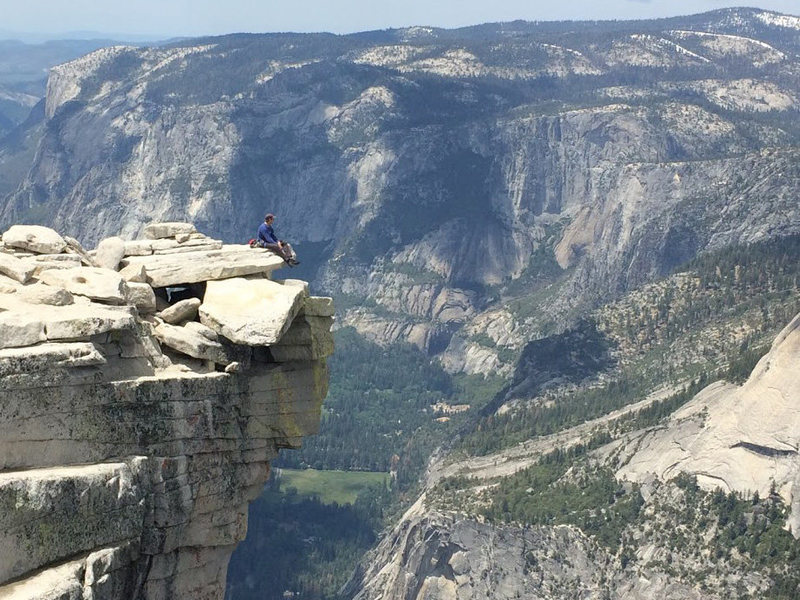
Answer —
742 439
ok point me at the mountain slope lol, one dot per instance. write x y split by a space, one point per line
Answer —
463 190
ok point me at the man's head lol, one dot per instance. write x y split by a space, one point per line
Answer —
269 218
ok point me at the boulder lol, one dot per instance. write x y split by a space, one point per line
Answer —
318 306
109 252
74 247
134 273
40 293
308 330
139 248
142 296
34 238
157 231
184 310
308 338
253 312
45 262
79 321
202 330
163 244
294 282
191 343
192 267
20 329
15 268
98 284
189 247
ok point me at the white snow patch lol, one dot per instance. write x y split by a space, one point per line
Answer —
726 45
274 67
777 20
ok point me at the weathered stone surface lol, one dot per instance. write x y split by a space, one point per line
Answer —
294 282
15 268
742 439
254 312
231 261
109 252
34 238
202 330
138 247
309 338
183 249
20 330
51 522
8 285
21 325
73 354
98 284
134 273
81 321
75 247
318 306
183 310
191 343
86 386
40 293
63 260
141 295
157 231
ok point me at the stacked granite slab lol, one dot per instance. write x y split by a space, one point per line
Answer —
134 431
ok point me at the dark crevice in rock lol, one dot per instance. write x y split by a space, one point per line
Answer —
764 450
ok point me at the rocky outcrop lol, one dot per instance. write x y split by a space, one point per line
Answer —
743 439
448 556
451 558
130 446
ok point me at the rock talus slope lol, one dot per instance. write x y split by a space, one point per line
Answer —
130 447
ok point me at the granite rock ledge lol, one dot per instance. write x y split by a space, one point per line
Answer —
140 404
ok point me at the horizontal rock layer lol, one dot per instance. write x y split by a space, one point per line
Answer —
130 447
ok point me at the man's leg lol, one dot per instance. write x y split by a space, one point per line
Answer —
276 248
287 248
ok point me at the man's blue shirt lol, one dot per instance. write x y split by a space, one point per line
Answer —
266 234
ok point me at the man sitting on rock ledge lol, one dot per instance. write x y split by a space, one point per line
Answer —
268 240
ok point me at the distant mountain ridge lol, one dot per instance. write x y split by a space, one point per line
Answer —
465 190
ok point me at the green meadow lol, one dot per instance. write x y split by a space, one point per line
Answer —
341 487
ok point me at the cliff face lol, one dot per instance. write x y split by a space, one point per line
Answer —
137 425
438 177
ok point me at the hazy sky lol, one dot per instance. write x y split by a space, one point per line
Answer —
199 17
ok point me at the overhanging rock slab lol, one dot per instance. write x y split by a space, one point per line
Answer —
165 270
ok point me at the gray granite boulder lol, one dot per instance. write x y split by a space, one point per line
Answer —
250 311
157 231
98 284
34 238
109 252
183 310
